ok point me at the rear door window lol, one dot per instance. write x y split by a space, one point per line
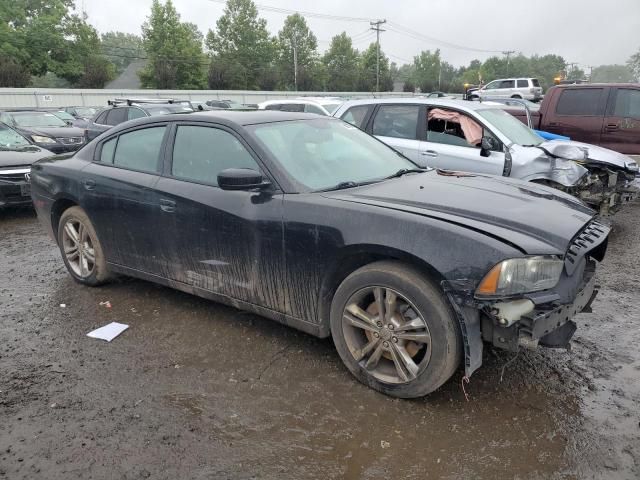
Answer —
507 84
201 153
356 115
140 149
627 103
116 116
275 106
397 121
523 83
292 107
135 112
579 101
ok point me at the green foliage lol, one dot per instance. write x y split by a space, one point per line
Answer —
341 62
44 36
296 33
175 59
612 73
242 53
367 80
634 64
121 49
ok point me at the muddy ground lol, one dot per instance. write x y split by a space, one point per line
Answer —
195 390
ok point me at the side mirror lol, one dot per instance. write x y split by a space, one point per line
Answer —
487 145
241 179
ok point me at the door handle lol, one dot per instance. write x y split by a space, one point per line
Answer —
168 206
429 153
611 126
89 184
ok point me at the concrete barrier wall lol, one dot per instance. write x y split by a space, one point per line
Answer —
61 97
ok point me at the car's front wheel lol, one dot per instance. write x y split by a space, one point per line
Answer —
81 250
394 330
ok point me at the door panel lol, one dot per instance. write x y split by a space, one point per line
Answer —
578 114
467 159
621 126
398 125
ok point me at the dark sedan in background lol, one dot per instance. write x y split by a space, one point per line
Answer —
44 129
313 223
16 156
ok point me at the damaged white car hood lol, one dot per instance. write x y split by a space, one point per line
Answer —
594 152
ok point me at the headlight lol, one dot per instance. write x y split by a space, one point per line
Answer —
41 139
521 275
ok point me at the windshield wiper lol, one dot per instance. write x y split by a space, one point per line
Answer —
341 186
404 171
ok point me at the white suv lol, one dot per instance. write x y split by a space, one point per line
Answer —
526 88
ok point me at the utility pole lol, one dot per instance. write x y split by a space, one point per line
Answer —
570 68
508 54
294 45
376 26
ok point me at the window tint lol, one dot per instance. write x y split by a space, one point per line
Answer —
275 106
398 121
627 103
579 101
313 109
523 83
535 82
135 113
106 154
491 85
116 116
200 153
292 107
140 149
356 115
507 84
101 119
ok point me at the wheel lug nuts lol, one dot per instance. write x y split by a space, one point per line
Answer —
376 334
390 326
379 324
385 344
395 339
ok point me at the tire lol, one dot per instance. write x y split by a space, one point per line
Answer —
473 97
87 263
425 309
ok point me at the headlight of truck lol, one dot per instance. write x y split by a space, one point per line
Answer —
41 139
521 275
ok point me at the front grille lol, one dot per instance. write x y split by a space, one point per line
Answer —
594 235
14 175
70 140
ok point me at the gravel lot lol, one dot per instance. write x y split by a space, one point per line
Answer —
195 390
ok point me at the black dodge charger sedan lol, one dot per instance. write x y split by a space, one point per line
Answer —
313 223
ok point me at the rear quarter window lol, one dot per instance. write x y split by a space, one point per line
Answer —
356 115
535 82
523 83
579 101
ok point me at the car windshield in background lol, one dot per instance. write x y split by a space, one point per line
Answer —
85 112
516 131
167 109
64 116
331 107
11 139
37 119
323 153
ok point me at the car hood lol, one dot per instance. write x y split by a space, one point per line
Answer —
22 157
55 132
598 154
533 218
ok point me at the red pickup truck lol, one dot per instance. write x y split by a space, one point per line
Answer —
605 114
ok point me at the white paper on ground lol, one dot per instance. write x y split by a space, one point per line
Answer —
108 332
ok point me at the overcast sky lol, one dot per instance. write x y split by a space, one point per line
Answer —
589 32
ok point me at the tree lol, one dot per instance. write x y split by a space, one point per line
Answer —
368 68
426 70
612 73
634 64
175 59
295 35
341 62
121 48
242 53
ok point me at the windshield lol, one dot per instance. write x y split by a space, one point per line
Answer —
85 112
331 107
512 128
323 153
37 119
167 109
64 116
11 139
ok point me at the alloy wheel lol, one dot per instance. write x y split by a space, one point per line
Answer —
78 248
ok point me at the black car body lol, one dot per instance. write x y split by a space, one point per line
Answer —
275 246
121 112
16 156
44 129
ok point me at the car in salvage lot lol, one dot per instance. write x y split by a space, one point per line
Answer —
311 222
472 136
17 154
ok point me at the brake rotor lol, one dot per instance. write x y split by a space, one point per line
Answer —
410 346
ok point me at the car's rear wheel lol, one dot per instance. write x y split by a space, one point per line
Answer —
80 248
394 330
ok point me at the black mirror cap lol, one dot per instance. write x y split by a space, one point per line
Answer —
488 143
241 179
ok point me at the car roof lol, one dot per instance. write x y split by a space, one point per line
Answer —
303 101
601 84
437 102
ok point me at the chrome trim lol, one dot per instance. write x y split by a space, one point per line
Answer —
13 172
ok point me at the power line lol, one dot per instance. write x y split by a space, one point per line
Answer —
326 16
